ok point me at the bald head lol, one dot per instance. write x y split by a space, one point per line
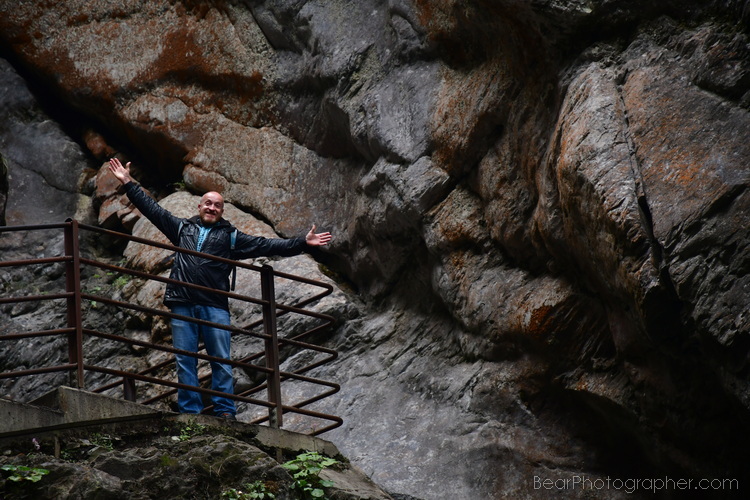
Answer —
211 208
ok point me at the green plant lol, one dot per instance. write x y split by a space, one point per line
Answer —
23 473
121 281
102 440
190 429
256 490
305 470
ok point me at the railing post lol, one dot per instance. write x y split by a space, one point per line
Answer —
73 284
275 414
128 389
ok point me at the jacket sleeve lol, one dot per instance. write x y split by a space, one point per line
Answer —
248 246
158 215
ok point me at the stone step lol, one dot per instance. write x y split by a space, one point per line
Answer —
67 407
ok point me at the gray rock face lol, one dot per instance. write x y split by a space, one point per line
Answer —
540 210
41 164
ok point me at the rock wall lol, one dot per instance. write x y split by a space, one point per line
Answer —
540 208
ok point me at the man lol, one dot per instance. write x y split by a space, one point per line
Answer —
209 233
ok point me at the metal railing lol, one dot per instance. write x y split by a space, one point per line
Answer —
266 363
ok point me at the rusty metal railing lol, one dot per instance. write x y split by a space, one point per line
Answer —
266 362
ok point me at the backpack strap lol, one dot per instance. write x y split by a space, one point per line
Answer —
232 242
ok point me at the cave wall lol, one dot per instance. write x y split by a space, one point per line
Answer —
540 208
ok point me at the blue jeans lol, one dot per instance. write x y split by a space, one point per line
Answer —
185 336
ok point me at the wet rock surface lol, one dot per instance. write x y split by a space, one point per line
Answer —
540 211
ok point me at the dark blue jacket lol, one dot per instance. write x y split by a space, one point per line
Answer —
183 233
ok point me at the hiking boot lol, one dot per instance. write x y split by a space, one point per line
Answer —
227 416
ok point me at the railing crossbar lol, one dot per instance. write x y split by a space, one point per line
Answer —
43 333
174 350
30 262
177 385
38 371
35 298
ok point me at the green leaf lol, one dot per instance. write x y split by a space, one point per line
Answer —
306 469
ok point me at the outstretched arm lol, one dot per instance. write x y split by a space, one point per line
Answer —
122 173
158 215
248 246
314 239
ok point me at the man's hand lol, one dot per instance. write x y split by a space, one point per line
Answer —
314 239
122 173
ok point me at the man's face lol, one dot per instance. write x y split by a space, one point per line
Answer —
211 208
